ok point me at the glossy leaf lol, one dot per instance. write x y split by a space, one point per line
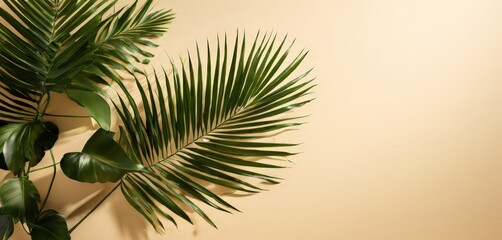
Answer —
101 160
95 104
6 226
26 143
6 130
50 225
19 198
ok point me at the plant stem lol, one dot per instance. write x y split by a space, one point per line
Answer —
208 132
52 181
94 208
47 101
65 116
41 109
42 168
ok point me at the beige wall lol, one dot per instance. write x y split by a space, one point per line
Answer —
405 137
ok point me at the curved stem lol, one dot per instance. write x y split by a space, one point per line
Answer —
66 116
42 168
94 208
47 101
52 181
41 112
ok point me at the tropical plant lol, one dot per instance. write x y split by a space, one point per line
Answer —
204 120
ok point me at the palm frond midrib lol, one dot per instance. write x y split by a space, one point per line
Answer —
197 138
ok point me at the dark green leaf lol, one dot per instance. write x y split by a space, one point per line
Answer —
20 199
26 142
209 126
101 160
50 225
49 136
20 147
95 104
6 226
7 130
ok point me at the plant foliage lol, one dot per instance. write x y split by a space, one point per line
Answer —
204 121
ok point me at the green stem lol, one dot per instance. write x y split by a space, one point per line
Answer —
191 142
42 168
66 116
52 181
47 100
94 208
41 112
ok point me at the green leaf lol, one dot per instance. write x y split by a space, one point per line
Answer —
7 130
6 226
48 136
50 225
210 121
22 142
95 104
101 160
20 147
20 199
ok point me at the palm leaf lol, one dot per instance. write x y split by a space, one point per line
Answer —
205 121
56 45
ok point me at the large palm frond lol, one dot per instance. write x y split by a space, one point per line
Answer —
205 122
57 45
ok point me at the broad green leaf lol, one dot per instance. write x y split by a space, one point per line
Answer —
7 130
48 136
19 198
6 226
27 142
101 160
20 147
95 104
50 225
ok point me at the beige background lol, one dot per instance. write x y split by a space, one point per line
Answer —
405 137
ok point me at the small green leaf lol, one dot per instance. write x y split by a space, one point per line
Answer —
50 225
101 160
6 226
20 199
95 104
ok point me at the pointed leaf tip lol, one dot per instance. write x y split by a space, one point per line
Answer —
96 105
101 160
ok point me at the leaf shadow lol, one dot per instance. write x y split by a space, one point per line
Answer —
132 225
